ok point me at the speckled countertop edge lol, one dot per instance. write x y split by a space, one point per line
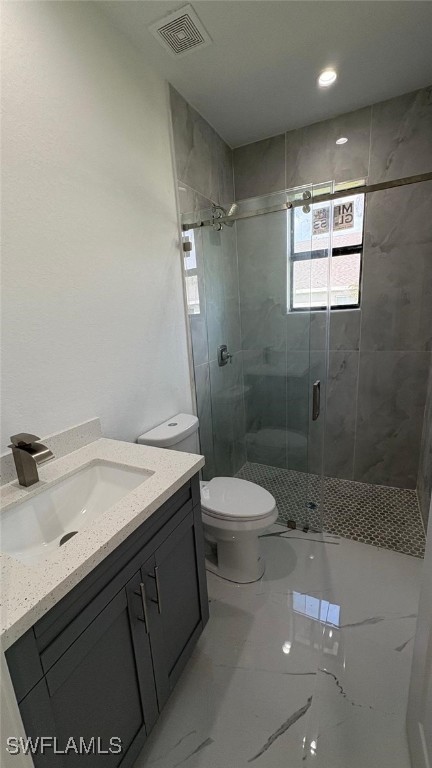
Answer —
29 591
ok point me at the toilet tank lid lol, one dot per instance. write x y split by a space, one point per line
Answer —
171 431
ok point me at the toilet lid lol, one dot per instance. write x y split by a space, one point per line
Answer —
232 498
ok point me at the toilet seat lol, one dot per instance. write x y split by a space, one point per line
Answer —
230 498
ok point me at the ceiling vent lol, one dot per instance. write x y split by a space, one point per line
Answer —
180 32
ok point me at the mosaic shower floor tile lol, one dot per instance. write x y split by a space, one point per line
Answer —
372 514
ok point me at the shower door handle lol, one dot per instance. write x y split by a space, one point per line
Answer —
316 400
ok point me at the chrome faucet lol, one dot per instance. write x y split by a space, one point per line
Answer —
28 452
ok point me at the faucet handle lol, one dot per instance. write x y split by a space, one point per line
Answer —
223 356
23 439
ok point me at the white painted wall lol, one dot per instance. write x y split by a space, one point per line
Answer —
419 718
92 306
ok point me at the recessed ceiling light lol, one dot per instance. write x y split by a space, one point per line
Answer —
342 140
327 77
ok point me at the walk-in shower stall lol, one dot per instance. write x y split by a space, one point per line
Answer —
316 286
313 386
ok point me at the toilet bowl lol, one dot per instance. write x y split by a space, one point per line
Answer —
235 512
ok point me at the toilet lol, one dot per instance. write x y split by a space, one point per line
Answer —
235 512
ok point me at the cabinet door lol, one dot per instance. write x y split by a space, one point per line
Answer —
99 688
176 592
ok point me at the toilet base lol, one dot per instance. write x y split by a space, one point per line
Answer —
238 560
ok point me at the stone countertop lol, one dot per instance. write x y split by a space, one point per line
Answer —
29 591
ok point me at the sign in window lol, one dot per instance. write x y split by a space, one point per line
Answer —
325 252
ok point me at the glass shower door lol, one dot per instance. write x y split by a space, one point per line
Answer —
212 290
283 355
225 363
307 344
261 244
258 298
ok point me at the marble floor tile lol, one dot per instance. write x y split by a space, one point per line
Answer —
308 666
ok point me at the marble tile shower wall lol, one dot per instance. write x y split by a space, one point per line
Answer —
205 176
380 354
424 481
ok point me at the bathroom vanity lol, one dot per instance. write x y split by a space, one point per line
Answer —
103 660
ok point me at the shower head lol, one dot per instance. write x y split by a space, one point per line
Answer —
232 210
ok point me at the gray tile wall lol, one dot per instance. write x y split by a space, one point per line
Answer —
312 154
203 160
379 355
386 141
205 176
259 168
424 480
401 136
261 244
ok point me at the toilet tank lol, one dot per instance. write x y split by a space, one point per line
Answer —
180 433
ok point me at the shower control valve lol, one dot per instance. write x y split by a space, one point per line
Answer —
223 356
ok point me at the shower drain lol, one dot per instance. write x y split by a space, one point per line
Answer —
66 537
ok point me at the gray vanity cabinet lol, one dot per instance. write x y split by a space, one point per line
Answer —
103 662
102 687
175 587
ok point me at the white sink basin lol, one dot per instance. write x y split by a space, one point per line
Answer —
32 530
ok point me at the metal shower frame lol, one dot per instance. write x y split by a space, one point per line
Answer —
364 189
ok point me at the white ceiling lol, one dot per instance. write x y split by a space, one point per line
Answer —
259 76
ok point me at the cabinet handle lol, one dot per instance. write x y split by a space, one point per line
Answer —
155 576
142 593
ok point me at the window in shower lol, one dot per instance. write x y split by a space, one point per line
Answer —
326 244
191 275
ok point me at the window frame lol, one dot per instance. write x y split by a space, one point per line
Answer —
323 254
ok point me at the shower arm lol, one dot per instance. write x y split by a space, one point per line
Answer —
364 189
